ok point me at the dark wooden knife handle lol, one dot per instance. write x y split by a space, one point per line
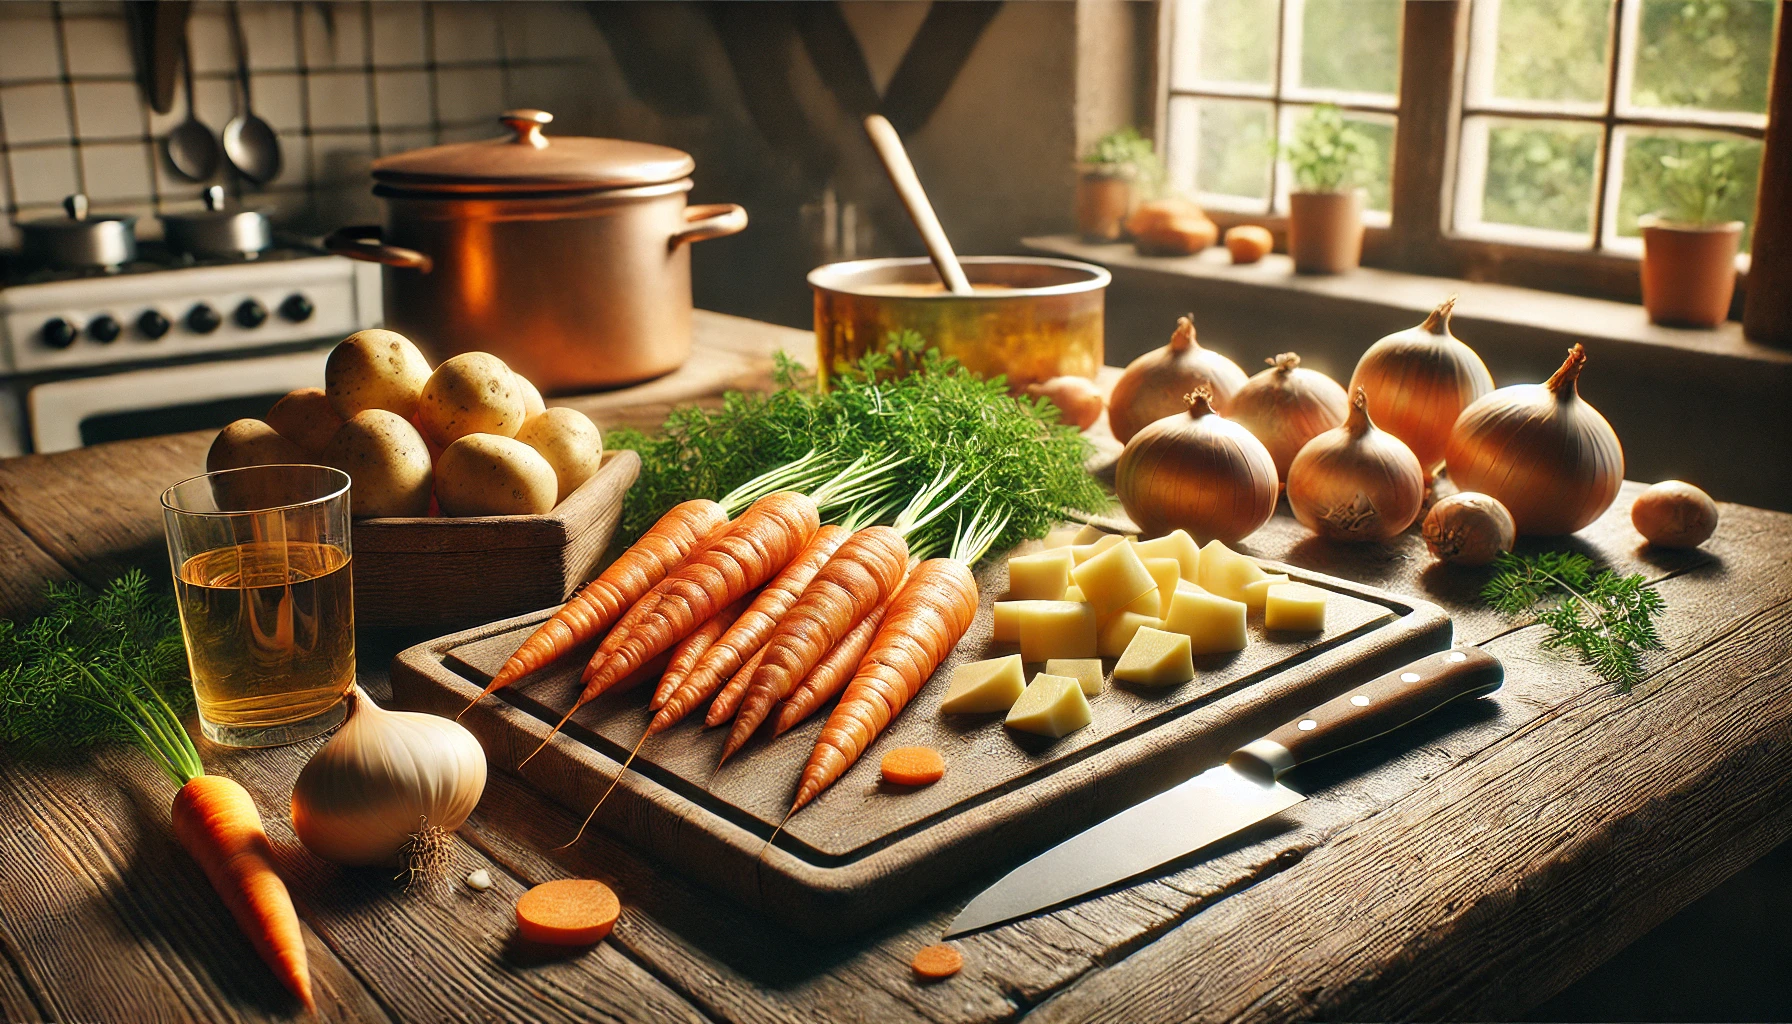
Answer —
1378 706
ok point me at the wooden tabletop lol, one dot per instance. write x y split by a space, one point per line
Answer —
1470 866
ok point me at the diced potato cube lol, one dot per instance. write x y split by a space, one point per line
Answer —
1213 624
1007 620
1118 631
1086 671
1145 604
1178 545
1225 572
1061 538
1040 577
1295 606
1089 534
1156 658
982 686
1051 706
1084 552
1257 590
1112 579
1056 629
1168 573
1073 593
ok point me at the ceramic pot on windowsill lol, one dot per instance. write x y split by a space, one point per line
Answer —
1325 231
1105 194
1689 271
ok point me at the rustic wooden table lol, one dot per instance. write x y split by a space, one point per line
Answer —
1467 867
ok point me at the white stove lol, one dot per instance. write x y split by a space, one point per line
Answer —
166 343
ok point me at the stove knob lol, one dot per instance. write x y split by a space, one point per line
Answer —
251 314
104 328
59 333
203 319
152 324
297 308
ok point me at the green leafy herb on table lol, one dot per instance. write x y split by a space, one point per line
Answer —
1607 619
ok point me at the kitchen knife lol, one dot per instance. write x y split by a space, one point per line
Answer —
1233 796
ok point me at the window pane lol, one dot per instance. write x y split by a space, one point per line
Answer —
1378 130
1535 174
1234 148
1650 187
1708 54
1225 41
1351 45
1550 50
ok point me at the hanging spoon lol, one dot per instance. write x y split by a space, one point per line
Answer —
191 147
249 142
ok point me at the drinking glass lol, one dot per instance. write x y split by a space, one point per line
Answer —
261 573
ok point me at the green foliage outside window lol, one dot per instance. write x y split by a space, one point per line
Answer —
1327 154
1541 177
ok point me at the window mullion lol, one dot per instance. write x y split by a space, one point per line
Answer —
1616 58
1433 40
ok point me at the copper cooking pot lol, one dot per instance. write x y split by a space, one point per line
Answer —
563 256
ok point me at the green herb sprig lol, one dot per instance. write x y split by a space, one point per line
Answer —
1605 618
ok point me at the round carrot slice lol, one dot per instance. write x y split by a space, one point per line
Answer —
567 912
913 766
936 962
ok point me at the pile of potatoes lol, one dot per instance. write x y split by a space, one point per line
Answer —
473 434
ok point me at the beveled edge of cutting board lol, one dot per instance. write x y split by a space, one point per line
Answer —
829 901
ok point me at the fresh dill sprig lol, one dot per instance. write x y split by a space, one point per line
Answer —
1607 619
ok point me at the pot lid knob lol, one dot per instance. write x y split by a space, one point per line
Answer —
76 205
214 198
527 124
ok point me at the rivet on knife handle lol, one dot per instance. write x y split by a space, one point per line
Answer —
1376 707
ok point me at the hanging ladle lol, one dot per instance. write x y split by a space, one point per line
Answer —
192 148
902 175
249 142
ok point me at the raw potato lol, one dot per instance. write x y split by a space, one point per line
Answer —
1061 538
1040 577
1156 658
1113 579
533 405
1249 243
1089 533
1006 620
984 686
305 418
1213 624
569 441
1086 671
1226 572
1295 606
1083 552
1256 592
1051 706
489 475
250 443
1168 573
473 393
1179 545
1056 629
375 370
1117 632
387 464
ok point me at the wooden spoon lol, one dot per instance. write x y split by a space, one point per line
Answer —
902 175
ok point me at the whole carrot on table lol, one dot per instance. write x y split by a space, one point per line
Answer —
828 678
691 649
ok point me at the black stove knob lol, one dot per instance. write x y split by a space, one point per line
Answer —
203 319
59 333
297 308
152 324
250 314
104 328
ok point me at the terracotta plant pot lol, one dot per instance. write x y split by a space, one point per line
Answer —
1325 231
1104 197
1689 271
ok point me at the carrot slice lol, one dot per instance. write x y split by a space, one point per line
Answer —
934 963
567 912
913 766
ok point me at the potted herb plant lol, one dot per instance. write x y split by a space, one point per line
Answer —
1689 251
1116 172
1329 159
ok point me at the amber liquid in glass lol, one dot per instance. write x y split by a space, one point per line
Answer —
270 631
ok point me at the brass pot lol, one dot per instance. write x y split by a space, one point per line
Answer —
1031 318
565 257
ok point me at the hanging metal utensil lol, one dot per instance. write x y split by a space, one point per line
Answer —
249 142
191 147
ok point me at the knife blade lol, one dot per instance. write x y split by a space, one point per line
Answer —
1231 797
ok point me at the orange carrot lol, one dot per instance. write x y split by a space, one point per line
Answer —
749 633
728 701
567 912
829 677
593 609
913 766
689 650
938 962
866 569
216 822
924 623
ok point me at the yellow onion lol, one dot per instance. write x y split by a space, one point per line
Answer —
1356 482
1286 406
1469 529
1079 402
1548 456
1674 514
1198 472
1154 384
1419 380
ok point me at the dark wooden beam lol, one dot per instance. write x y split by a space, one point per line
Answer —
1767 313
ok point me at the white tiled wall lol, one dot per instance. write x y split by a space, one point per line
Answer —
339 82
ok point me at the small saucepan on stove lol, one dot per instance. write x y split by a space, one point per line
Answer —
218 230
80 240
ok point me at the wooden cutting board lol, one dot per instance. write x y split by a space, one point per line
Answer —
863 850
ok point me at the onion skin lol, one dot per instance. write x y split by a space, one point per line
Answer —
1674 514
1079 402
1419 380
1356 482
1154 385
1198 472
1288 405
1469 529
1548 456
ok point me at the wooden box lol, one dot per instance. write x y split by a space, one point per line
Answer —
457 572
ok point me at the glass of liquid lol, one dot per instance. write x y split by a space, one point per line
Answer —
262 577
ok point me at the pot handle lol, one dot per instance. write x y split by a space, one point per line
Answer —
363 243
709 220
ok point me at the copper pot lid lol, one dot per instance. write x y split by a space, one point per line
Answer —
528 161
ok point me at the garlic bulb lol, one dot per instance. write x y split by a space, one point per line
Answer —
1286 406
1674 514
1154 384
1197 472
385 785
1548 456
1419 380
1356 482
1469 529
